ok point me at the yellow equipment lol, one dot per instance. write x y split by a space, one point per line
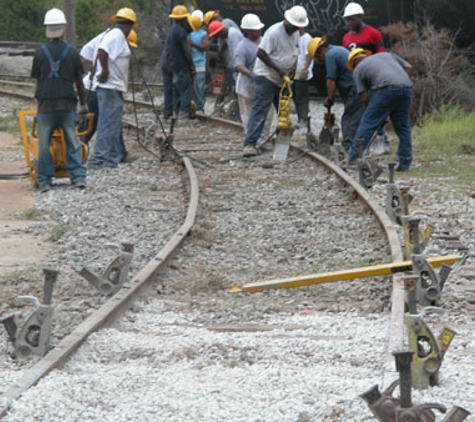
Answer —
57 145
284 123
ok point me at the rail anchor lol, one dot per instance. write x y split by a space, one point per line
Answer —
34 336
115 274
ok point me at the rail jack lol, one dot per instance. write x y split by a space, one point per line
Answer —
387 408
115 274
34 336
397 200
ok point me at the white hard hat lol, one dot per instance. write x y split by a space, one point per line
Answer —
353 9
251 21
55 17
297 16
198 13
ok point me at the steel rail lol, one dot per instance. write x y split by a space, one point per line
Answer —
113 308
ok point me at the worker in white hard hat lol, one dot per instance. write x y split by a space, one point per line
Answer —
244 60
361 34
57 69
276 62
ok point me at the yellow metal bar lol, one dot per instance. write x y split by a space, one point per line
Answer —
351 274
24 133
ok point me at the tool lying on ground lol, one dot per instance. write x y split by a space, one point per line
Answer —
33 338
284 123
387 408
57 145
115 274
351 274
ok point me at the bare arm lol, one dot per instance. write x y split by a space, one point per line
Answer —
244 70
268 61
331 87
408 68
364 97
81 90
204 46
103 58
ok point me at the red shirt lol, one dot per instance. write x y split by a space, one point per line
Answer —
368 38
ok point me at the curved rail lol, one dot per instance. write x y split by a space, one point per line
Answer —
113 308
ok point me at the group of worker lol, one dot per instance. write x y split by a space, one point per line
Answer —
371 91
372 83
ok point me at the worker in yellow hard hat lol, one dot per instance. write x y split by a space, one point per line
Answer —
339 78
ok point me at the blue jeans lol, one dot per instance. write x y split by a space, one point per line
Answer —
109 147
394 102
167 77
182 91
46 124
266 93
199 90
352 114
301 98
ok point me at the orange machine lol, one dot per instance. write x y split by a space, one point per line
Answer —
57 145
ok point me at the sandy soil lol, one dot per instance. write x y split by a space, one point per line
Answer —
17 247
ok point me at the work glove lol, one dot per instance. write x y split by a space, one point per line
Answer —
328 103
286 79
82 111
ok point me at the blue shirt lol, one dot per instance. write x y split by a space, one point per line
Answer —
199 56
176 58
336 61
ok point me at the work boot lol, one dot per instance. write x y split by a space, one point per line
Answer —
249 151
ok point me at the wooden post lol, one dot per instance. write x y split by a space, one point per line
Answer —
70 34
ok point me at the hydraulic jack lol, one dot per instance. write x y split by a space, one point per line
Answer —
115 274
33 338
429 351
397 200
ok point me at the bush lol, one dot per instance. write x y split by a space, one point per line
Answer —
441 76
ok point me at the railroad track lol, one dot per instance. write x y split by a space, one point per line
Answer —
246 231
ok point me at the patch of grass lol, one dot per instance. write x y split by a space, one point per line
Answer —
16 275
31 214
445 146
57 232
10 123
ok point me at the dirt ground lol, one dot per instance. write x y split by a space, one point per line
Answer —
17 247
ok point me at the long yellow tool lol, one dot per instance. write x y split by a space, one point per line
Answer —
351 274
284 123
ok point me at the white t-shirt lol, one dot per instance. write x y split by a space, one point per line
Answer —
303 54
114 43
89 52
283 50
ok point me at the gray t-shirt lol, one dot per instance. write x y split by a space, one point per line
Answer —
234 36
283 50
245 56
380 70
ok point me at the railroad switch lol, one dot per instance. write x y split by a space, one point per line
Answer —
429 284
115 274
397 200
429 351
414 241
34 336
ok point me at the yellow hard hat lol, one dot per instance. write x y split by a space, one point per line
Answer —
126 13
354 54
179 12
210 15
132 38
194 22
315 44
